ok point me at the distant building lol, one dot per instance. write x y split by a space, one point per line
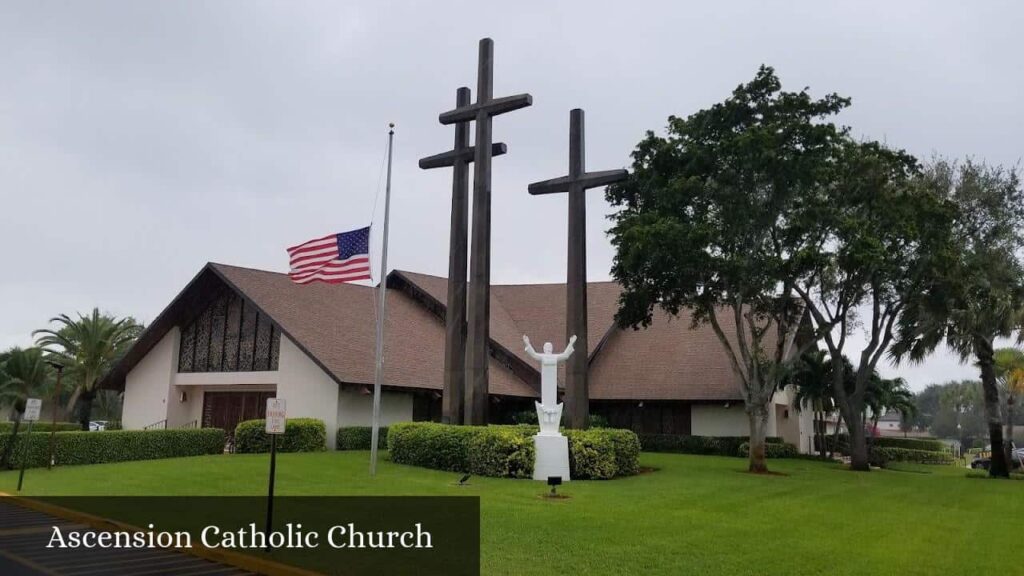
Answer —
236 336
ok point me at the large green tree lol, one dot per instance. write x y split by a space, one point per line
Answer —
24 374
87 347
980 293
705 225
878 229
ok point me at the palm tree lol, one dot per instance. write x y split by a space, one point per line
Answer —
812 377
889 394
87 348
23 373
1010 373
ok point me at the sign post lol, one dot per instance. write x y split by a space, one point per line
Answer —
32 408
276 410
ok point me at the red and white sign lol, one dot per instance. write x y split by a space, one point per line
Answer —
275 415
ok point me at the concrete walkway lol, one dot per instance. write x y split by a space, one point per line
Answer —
24 534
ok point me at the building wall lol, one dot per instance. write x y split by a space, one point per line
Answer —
356 408
717 420
148 386
308 391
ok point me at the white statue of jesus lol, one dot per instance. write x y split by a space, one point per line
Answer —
549 411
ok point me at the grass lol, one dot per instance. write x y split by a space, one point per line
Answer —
693 515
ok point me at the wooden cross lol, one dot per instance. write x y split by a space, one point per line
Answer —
577 396
458 158
478 325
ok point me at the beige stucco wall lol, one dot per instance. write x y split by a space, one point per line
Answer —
148 385
308 390
717 420
356 408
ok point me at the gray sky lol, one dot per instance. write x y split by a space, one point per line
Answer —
140 140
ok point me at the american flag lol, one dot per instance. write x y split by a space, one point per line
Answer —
334 259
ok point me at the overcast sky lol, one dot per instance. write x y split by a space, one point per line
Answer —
139 140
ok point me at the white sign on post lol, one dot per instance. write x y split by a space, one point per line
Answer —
275 415
32 408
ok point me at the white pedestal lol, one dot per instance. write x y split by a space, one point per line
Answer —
552 457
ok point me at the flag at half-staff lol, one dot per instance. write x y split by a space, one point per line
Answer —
336 258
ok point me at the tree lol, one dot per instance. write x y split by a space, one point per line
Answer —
962 415
877 232
1009 364
890 395
24 373
87 348
979 294
704 224
812 377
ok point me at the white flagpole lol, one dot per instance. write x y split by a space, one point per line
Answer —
381 292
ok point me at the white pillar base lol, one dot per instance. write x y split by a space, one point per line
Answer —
552 457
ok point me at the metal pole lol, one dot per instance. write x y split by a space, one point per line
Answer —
24 454
56 405
382 291
270 490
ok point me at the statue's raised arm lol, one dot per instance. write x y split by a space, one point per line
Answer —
568 349
529 348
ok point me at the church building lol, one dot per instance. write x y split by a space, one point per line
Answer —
237 336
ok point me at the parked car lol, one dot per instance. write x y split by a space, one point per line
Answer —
97 425
984 459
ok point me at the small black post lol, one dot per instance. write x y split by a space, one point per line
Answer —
270 492
24 454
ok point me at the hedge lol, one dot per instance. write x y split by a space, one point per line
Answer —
358 437
508 451
772 450
72 448
927 444
881 456
300 435
41 426
530 417
703 445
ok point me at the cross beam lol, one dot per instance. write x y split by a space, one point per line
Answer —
576 183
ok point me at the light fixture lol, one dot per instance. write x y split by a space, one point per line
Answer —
554 481
365 391
641 404
183 397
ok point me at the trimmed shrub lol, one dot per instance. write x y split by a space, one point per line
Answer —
41 426
503 452
508 451
72 448
772 450
358 437
881 456
300 435
927 444
703 445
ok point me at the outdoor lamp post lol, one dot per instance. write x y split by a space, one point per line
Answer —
56 402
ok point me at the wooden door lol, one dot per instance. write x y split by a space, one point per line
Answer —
226 409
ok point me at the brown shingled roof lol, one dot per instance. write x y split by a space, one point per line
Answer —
335 325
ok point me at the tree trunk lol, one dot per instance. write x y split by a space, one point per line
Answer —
758 431
858 443
85 412
998 465
1009 430
10 444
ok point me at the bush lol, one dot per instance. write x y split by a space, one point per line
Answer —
508 451
8 427
772 450
300 435
358 437
926 444
881 456
703 445
114 425
71 448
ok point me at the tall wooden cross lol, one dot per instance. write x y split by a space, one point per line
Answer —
577 395
478 325
458 158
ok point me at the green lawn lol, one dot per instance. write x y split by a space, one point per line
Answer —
694 515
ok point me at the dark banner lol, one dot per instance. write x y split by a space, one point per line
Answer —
182 535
